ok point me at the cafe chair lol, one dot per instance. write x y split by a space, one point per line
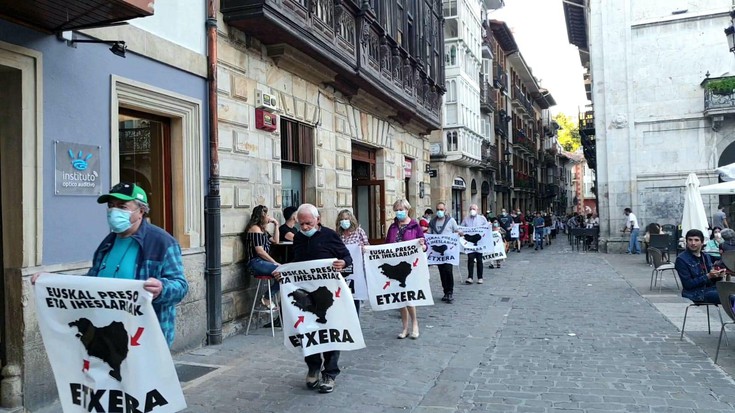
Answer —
262 279
726 289
728 260
659 267
661 242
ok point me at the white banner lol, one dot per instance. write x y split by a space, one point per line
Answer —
397 275
476 239
356 279
318 309
498 248
515 231
443 249
106 348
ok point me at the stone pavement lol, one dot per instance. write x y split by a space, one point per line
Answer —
551 331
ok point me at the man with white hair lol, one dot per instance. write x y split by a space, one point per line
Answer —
314 242
473 219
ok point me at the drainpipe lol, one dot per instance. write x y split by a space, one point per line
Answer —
213 272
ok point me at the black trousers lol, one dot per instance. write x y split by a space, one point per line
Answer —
331 358
474 258
447 276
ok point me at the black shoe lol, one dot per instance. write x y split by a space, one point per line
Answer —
312 380
327 385
276 323
445 297
450 299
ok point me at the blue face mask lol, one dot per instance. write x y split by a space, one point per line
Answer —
401 215
440 214
345 224
119 220
309 233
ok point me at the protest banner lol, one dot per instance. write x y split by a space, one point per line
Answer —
355 275
476 239
443 249
397 275
105 345
515 231
498 251
318 309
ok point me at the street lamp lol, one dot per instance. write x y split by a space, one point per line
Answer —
730 32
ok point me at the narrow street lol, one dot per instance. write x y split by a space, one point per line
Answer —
553 330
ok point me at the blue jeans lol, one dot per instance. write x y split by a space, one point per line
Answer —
327 360
539 237
259 266
633 247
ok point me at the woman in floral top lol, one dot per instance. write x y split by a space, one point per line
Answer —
405 228
351 233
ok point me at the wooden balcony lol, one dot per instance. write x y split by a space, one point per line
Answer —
342 44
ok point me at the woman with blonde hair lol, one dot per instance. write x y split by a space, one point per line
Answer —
405 228
351 233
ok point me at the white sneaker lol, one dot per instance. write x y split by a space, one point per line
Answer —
480 281
469 281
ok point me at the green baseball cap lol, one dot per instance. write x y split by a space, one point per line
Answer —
125 191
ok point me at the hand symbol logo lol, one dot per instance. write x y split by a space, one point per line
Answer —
79 162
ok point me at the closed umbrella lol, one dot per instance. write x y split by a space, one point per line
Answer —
694 215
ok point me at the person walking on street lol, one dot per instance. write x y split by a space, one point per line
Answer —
314 242
632 224
139 250
473 219
351 232
443 223
719 219
538 231
404 228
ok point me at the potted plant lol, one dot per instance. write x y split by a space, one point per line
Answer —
721 86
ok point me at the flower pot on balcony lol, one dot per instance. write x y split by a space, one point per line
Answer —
723 86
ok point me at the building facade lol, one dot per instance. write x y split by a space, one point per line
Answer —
77 119
654 119
351 91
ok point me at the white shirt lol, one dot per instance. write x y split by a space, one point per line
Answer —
632 221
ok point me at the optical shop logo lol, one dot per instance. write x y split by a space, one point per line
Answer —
80 162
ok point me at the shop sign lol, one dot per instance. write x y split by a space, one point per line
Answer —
77 169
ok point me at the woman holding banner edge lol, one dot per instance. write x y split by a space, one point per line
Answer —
350 232
405 228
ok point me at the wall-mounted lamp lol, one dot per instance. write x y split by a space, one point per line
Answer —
118 47
730 32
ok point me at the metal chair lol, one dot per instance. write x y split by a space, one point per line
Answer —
699 304
728 260
726 289
659 266
660 242
253 310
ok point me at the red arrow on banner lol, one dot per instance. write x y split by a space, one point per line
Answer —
415 263
300 320
85 365
134 339
336 293
387 284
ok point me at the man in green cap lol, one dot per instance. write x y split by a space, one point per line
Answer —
139 250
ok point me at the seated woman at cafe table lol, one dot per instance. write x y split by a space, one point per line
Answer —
697 274
712 247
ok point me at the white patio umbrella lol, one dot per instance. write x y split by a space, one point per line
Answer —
694 215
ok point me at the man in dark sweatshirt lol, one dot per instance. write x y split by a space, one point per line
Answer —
314 242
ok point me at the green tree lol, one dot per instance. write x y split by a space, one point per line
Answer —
568 133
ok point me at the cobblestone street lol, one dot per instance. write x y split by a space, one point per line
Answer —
553 330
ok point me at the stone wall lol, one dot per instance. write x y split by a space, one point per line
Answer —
250 158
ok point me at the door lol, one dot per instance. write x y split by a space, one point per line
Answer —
368 200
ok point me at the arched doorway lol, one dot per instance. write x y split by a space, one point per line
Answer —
484 195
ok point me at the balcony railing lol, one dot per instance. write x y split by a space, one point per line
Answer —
521 138
524 181
487 96
520 101
501 124
500 79
718 101
587 120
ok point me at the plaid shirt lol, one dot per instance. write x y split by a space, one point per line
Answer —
357 236
159 257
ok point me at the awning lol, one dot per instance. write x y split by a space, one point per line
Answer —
60 15
723 188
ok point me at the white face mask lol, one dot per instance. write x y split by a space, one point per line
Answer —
473 212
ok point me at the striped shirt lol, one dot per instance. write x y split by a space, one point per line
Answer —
256 239
357 236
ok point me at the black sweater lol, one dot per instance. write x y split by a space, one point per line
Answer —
325 243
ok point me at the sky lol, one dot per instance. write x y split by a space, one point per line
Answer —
540 31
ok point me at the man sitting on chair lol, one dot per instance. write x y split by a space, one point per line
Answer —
697 275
